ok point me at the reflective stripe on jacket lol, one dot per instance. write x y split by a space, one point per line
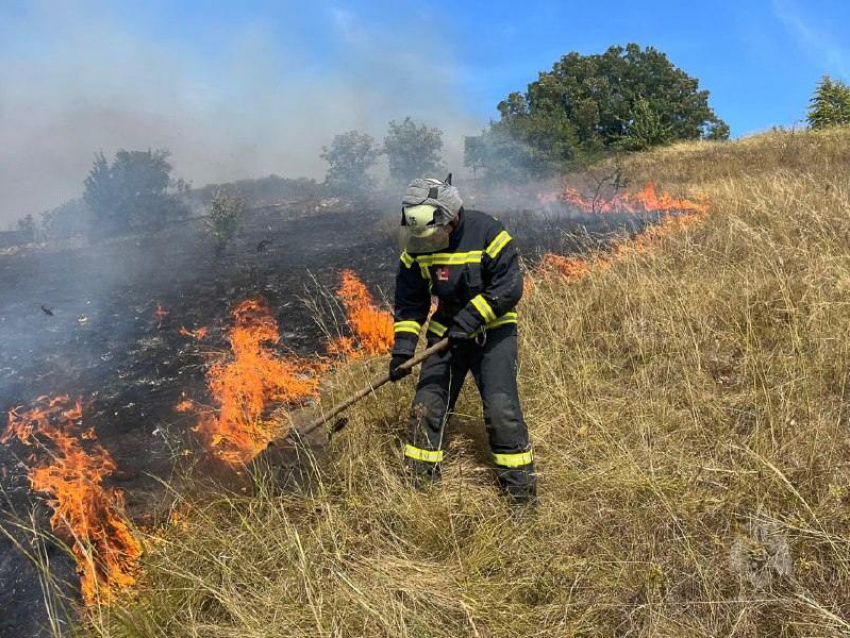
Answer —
477 281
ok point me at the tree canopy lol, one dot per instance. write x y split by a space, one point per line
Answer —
132 192
350 156
413 150
830 105
627 98
225 215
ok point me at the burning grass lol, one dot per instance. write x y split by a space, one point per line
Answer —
647 200
372 327
70 467
688 410
245 385
199 334
677 215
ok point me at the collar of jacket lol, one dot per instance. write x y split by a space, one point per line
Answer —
457 232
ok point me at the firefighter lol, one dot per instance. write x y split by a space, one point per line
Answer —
469 262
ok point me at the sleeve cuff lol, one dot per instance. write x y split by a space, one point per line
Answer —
468 320
405 343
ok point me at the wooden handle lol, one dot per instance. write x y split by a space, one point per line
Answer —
371 387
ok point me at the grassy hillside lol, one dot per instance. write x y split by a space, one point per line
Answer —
688 410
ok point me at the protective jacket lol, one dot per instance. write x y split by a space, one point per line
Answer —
477 281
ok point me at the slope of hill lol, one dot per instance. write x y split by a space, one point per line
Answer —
688 410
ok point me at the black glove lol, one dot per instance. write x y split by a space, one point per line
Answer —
457 333
397 373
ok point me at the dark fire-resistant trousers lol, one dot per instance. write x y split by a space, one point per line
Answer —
494 367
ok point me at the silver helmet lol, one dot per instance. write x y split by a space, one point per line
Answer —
428 208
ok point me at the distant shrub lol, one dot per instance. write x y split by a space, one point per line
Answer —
226 212
830 105
134 192
413 150
350 156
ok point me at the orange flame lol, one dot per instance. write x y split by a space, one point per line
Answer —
184 405
680 214
198 334
85 513
244 386
647 200
572 268
372 326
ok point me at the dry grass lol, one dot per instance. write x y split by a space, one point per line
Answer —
688 413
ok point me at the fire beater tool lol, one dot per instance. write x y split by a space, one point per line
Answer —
308 428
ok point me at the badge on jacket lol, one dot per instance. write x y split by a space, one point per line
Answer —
442 273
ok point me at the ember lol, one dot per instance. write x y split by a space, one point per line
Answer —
198 334
86 514
246 385
372 327
160 313
185 405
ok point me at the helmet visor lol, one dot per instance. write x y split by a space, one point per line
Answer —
433 239
420 231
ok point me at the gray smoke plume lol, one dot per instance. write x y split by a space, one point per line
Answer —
229 97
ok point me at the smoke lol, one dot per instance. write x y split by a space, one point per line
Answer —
231 96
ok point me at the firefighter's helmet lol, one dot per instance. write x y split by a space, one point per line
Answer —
427 211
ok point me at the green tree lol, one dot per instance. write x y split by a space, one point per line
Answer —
134 192
830 105
645 128
627 98
413 151
350 156
226 212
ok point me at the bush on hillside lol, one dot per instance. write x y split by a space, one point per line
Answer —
350 157
830 105
225 217
413 150
135 192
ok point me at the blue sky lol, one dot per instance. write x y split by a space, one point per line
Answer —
760 59
245 88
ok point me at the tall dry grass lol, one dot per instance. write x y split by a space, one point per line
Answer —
689 414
